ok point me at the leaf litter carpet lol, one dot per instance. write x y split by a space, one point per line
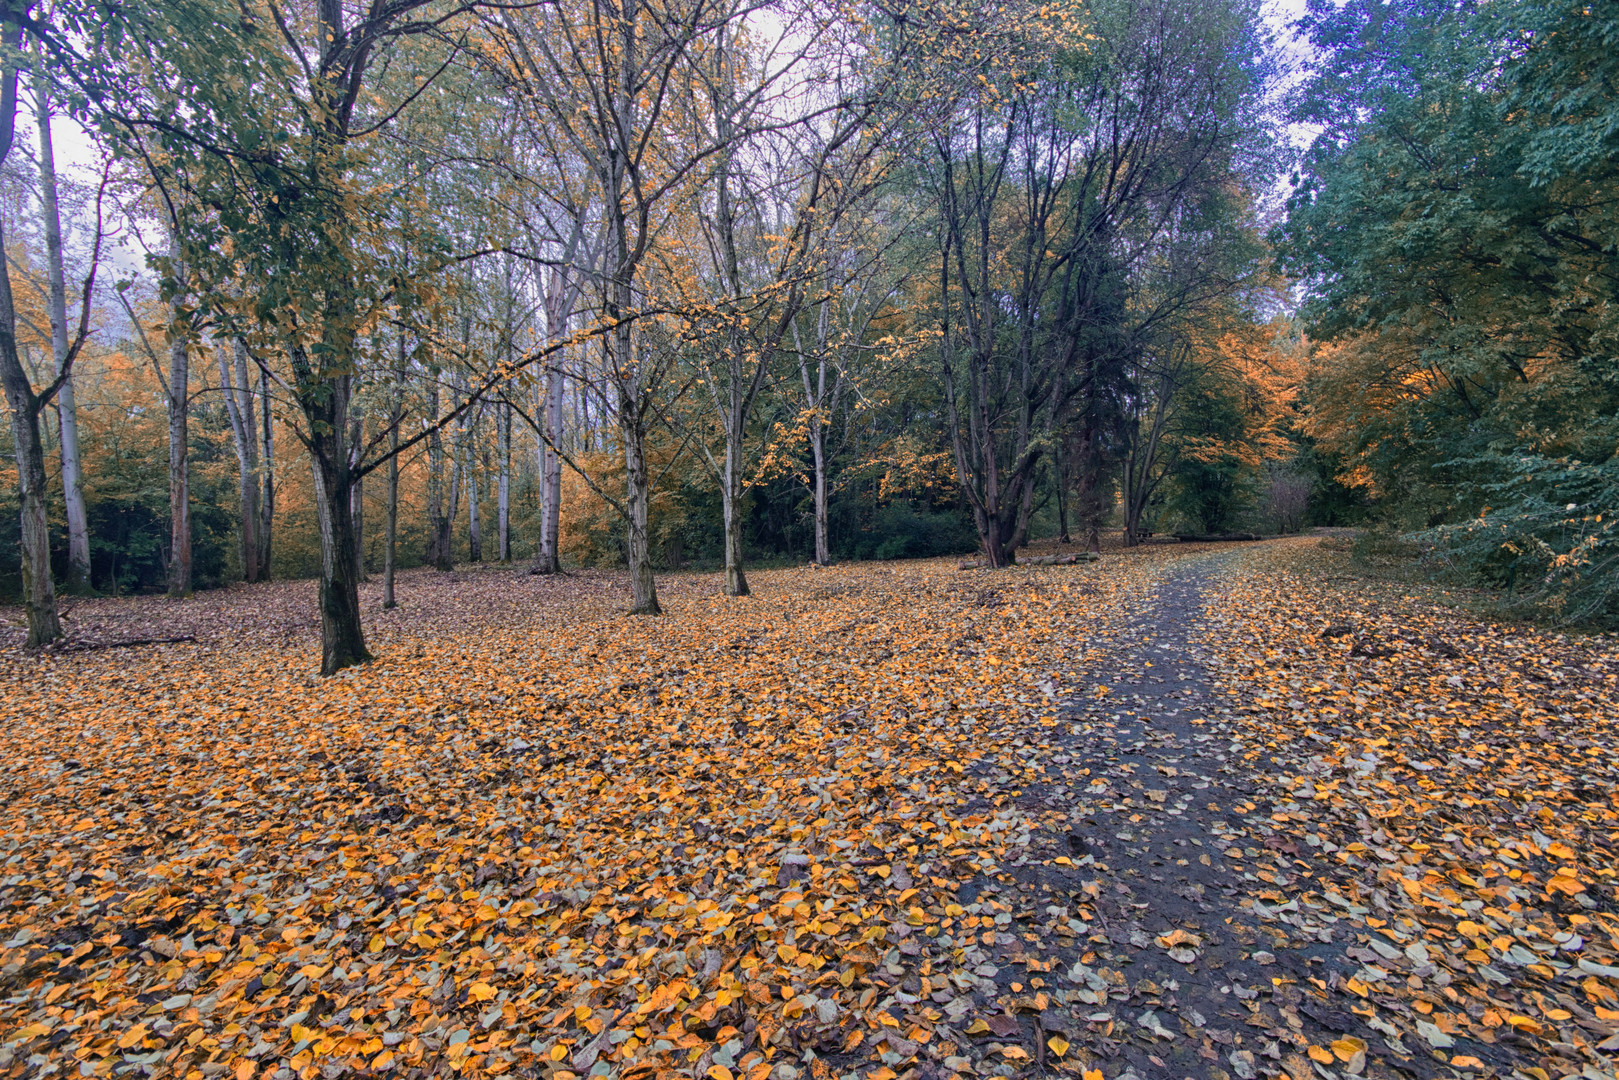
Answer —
876 821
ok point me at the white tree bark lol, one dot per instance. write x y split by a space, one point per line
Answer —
78 529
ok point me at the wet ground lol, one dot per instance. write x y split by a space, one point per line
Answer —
1139 946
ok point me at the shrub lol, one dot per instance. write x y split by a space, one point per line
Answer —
902 531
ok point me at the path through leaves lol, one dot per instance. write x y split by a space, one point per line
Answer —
874 822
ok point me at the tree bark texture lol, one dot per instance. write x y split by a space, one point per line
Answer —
38 587
78 529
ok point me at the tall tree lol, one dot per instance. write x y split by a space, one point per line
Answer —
177 388
26 404
237 390
1089 132
78 529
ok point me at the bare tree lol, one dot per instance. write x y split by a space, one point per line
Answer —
78 528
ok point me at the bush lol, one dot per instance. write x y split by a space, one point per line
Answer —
902 531
1549 536
1284 497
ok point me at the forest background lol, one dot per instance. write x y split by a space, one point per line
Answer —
698 282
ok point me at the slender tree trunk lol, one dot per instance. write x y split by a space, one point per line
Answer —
1060 471
503 507
357 497
474 523
78 529
823 550
179 447
637 483
390 539
267 466
38 587
238 410
548 559
736 582
438 544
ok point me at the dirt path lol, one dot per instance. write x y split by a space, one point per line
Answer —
1177 974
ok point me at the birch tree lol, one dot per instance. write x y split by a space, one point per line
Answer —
78 529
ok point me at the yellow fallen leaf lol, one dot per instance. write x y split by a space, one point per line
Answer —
1465 1061
480 991
978 1027
1347 1048
1058 1044
132 1037
245 1070
383 1060
1016 1053
719 1072
1091 1074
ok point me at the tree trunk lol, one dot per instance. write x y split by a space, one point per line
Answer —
267 466
736 582
78 529
1091 498
342 636
474 524
390 538
244 437
548 560
179 468
38 587
357 497
438 542
643 589
457 473
503 507
823 550
1060 464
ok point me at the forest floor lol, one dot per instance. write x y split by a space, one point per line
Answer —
1222 811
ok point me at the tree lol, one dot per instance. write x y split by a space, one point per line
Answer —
1453 229
27 404
78 531
1086 137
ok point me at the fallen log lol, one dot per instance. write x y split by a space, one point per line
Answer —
1216 538
1065 559
127 643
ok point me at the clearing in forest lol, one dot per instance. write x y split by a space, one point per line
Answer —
1180 813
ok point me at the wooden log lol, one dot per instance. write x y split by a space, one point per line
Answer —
1065 559
1216 538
